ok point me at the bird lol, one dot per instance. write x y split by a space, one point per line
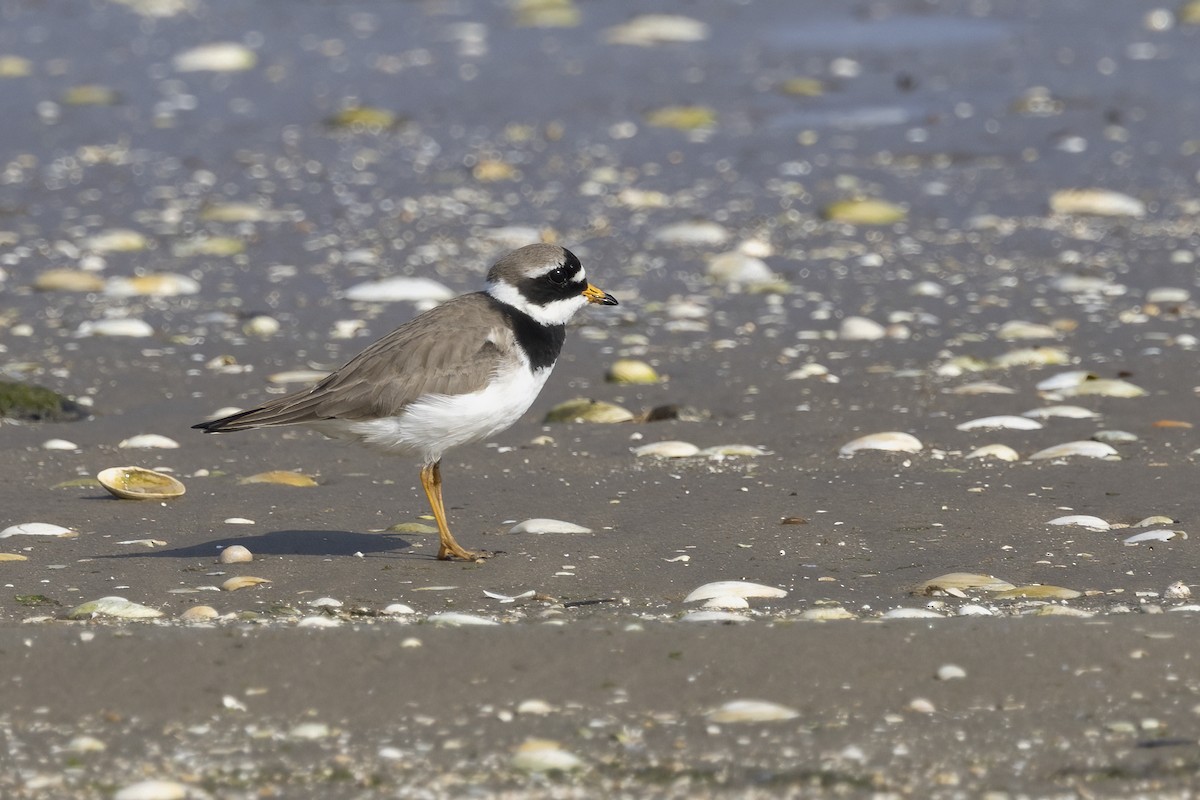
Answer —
458 373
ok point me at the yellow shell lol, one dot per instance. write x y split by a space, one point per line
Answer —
138 483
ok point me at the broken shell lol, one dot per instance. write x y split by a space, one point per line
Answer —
138 483
1083 449
547 526
113 607
889 440
235 554
733 589
1083 521
584 410
242 582
116 240
1000 423
154 790
667 449
751 711
1161 535
36 529
280 477
13 557
1101 202
714 616
999 451
631 371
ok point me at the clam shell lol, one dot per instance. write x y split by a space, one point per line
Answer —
888 440
138 483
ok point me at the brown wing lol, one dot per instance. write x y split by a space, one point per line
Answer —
452 349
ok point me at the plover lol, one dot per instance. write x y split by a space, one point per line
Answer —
460 372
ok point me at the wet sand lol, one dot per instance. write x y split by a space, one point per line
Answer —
504 131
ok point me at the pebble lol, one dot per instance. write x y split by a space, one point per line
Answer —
827 614
235 554
628 371
751 711
318 622
164 284
585 410
864 211
547 526
310 731
736 269
1115 437
912 613
1178 591
536 707
964 580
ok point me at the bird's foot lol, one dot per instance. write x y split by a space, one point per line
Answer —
458 553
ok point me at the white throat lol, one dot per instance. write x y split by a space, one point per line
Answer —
559 312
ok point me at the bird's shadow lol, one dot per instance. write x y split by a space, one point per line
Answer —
290 543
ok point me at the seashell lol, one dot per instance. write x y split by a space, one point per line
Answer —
1063 412
144 542
727 602
802 87
148 441
234 212
1064 380
239 521
827 614
235 554
975 610
1062 611
166 284
134 328
1005 422
117 607
456 619
215 57
1038 592
153 790
998 451
912 613
582 409
667 449
1032 357
398 610
364 118
1083 449
646 30
261 325
1082 521
116 240
536 707
982 387
922 706
738 269
37 529
138 483
242 582
889 440
90 94
743 589
1158 535
807 371
1100 202
860 329
59 444
864 211
1103 387
713 616
1115 437
751 711
15 67
298 376
1178 591
682 118
1089 285
310 731
733 451
68 280
963 581
950 672
1157 519
13 557
1168 295
698 233
490 170
398 289
631 371
199 614
1019 329
545 755
279 477
85 744
547 526
208 246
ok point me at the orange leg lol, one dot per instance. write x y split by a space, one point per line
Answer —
431 481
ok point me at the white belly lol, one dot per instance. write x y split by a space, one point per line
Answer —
432 426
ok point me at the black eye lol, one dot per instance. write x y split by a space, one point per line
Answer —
560 276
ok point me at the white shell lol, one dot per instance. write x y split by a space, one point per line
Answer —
713 616
1103 387
727 602
59 444
167 284
751 711
456 619
982 387
1160 535
1064 380
1032 357
911 613
400 288
1064 412
999 451
650 29
1020 329
215 57
35 529
1168 294
889 440
543 755
149 441
1082 449
153 790
547 526
1101 202
135 328
733 589
688 234
139 483
738 269
1081 520
861 329
667 449
1004 422
733 451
